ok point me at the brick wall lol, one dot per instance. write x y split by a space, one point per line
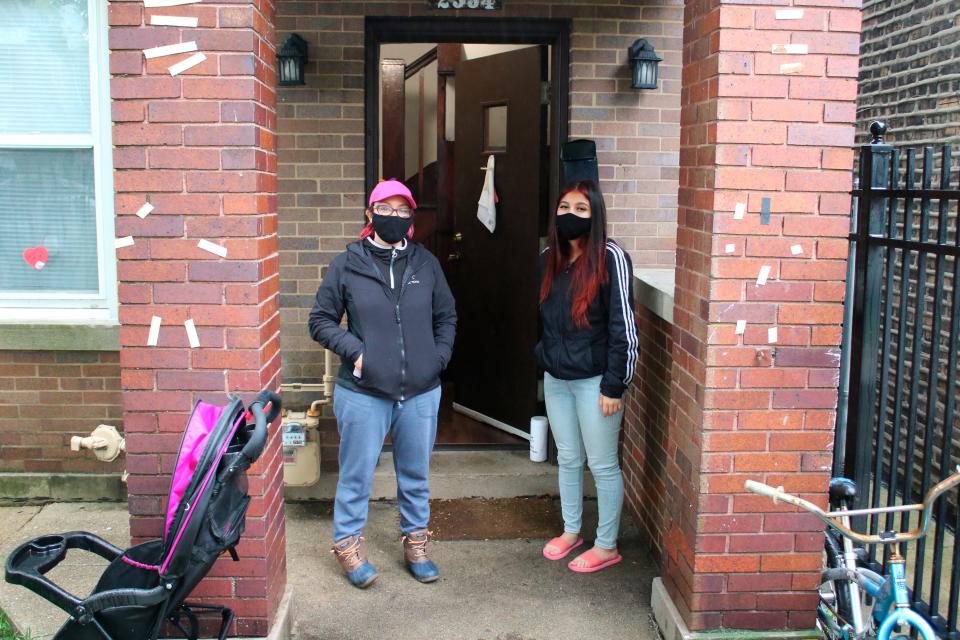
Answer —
201 148
321 136
742 407
45 398
645 449
908 61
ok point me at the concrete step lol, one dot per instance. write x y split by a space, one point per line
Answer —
458 474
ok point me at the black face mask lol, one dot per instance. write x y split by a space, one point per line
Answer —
391 229
571 227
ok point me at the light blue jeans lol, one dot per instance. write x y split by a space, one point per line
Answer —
583 434
363 422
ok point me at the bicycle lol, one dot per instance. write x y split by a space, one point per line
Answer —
840 614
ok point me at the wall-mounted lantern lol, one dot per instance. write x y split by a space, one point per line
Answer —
644 64
291 60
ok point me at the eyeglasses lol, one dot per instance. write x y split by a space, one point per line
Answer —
387 210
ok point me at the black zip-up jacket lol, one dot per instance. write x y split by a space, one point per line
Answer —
608 346
406 340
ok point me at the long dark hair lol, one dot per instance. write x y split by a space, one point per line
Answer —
590 270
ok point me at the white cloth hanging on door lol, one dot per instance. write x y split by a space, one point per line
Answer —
487 204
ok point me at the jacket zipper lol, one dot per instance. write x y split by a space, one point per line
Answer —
393 257
403 351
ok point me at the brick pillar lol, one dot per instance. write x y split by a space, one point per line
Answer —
754 130
200 148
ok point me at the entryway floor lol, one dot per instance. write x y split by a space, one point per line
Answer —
489 589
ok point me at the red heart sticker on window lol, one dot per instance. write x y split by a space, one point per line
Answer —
36 257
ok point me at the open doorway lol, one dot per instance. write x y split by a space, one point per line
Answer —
441 100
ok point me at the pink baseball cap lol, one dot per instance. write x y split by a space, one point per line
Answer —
389 188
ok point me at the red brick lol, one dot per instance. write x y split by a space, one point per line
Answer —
813 270
184 158
719 399
769 378
727 564
786 156
147 181
221 135
754 620
845 20
810 314
770 420
748 87
223 39
124 14
823 135
139 38
812 20
830 291
144 87
750 441
761 543
792 562
756 132
800 399
771 64
838 158
835 203
146 134
787 110
126 63
759 582
733 17
823 88
219 88
801 441
842 43
127 111
193 111
223 182
744 462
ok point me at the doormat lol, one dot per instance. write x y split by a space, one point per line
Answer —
495 518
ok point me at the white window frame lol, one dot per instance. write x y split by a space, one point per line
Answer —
52 307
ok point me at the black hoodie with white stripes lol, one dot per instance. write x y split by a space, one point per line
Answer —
608 345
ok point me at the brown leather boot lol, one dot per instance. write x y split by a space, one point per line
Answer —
353 560
415 553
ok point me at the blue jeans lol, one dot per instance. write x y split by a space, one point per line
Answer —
583 434
363 422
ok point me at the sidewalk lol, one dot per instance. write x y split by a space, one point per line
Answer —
489 590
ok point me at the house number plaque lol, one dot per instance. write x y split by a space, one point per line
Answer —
490 5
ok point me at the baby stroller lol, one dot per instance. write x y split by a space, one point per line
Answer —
146 584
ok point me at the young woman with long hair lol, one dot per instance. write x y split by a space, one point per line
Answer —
588 352
401 322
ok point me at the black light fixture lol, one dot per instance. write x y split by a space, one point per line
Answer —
291 60
644 64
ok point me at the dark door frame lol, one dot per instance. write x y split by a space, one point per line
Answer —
554 32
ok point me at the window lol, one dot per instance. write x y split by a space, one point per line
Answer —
494 128
57 260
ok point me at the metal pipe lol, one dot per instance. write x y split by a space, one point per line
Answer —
326 387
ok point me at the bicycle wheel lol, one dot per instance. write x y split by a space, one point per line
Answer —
838 589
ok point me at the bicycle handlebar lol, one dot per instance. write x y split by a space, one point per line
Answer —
777 494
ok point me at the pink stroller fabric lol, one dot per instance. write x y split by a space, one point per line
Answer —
202 422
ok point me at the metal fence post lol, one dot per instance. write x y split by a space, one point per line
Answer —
865 336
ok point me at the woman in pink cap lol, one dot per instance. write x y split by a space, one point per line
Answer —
401 322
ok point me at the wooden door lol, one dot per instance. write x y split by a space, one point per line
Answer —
498 111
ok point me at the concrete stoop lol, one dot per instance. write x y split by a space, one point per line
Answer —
458 474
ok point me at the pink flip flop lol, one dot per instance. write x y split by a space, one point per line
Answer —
564 550
594 563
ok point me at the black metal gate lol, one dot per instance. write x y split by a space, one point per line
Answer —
899 431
